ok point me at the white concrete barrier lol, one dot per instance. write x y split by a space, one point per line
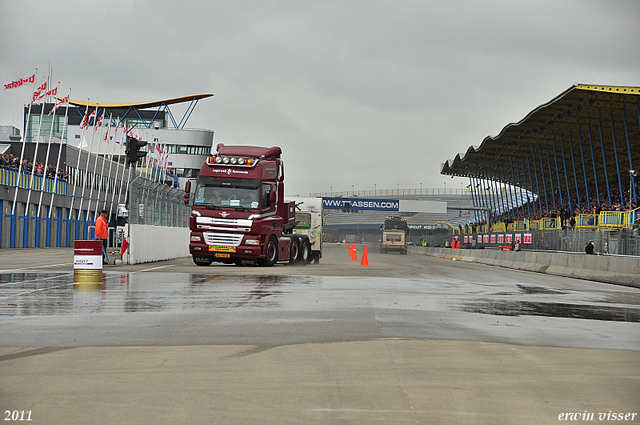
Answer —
621 270
156 243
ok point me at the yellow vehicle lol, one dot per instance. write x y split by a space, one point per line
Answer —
394 235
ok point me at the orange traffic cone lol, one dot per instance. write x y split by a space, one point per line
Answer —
365 258
354 253
350 250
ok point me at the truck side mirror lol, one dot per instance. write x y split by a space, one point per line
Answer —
187 192
272 198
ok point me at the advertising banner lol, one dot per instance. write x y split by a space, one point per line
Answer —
361 204
87 262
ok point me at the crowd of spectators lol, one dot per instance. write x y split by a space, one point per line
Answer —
568 216
12 162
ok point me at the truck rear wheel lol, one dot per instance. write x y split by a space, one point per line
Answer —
305 252
294 251
271 253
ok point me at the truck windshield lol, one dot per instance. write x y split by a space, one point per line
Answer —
304 221
224 193
395 224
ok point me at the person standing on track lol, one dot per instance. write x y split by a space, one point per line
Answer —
102 227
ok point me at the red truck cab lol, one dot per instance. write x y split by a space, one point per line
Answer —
239 213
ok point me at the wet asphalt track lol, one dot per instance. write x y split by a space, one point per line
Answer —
246 311
161 304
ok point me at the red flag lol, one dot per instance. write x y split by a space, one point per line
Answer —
83 125
19 82
63 101
125 245
40 94
95 127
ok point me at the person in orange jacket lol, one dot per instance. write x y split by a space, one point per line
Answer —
102 227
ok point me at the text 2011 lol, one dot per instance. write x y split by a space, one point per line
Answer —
17 415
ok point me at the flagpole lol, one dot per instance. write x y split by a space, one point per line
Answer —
95 165
165 159
24 141
157 154
78 174
113 148
55 179
46 161
104 159
86 171
35 155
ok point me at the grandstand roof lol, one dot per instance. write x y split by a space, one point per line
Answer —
567 123
141 105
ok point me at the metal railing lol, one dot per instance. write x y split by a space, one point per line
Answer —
392 192
157 204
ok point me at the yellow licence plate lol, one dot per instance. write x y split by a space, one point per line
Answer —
221 255
222 248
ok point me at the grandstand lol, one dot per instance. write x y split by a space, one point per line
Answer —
573 160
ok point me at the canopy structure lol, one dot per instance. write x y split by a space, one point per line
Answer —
160 104
577 151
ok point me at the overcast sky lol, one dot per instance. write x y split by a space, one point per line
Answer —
358 94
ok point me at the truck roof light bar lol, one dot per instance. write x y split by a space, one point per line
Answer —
232 160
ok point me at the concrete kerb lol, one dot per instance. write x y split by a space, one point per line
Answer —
621 270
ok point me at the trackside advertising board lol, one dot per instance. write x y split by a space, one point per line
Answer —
374 204
361 204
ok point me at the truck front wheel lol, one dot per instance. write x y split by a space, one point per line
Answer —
271 253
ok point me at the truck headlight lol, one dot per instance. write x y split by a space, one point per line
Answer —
252 241
196 238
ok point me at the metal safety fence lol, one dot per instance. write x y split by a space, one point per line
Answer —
620 242
157 204
614 242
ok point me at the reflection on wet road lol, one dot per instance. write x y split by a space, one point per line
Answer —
46 309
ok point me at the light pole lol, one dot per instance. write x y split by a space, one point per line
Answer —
398 190
353 191
375 189
445 188
420 188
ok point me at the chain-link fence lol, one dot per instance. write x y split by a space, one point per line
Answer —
621 242
156 204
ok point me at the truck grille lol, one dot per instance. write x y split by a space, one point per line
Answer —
213 221
232 239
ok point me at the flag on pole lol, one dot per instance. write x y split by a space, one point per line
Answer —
63 101
106 134
123 138
115 134
19 82
164 163
92 116
83 125
95 127
39 92
37 95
